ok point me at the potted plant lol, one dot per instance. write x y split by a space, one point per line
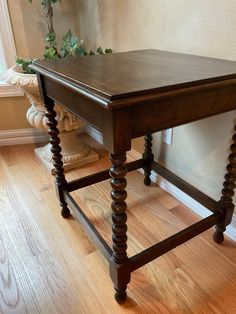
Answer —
74 152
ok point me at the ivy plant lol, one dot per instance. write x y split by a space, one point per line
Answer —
70 46
24 64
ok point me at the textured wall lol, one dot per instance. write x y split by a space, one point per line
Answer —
203 27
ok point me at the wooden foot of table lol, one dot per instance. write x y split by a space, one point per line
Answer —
65 212
120 295
218 235
120 275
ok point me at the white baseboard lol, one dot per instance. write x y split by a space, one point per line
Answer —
31 135
22 136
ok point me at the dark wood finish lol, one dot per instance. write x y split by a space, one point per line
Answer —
100 176
119 139
172 242
226 201
89 227
119 217
199 196
148 158
133 94
144 72
56 155
120 275
176 108
119 206
77 103
142 91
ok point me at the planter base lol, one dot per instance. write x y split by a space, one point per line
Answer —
91 157
75 153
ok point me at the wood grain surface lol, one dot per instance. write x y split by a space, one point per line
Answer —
124 74
48 265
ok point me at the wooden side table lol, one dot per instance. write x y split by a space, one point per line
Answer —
131 94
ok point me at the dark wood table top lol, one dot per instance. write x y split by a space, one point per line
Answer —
126 95
128 74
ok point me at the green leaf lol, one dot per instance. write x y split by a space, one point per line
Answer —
47 3
71 46
108 50
51 53
24 64
66 38
80 51
100 51
51 39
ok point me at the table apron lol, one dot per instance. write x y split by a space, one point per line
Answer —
176 110
120 125
80 105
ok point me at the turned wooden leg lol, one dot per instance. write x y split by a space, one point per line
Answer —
226 205
119 227
56 155
148 158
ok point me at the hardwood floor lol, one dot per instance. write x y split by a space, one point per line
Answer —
48 265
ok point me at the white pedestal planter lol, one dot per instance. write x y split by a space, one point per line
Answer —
74 152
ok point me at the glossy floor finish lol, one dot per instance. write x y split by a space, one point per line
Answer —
48 265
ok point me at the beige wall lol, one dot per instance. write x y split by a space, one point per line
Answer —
29 28
203 27
13 112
